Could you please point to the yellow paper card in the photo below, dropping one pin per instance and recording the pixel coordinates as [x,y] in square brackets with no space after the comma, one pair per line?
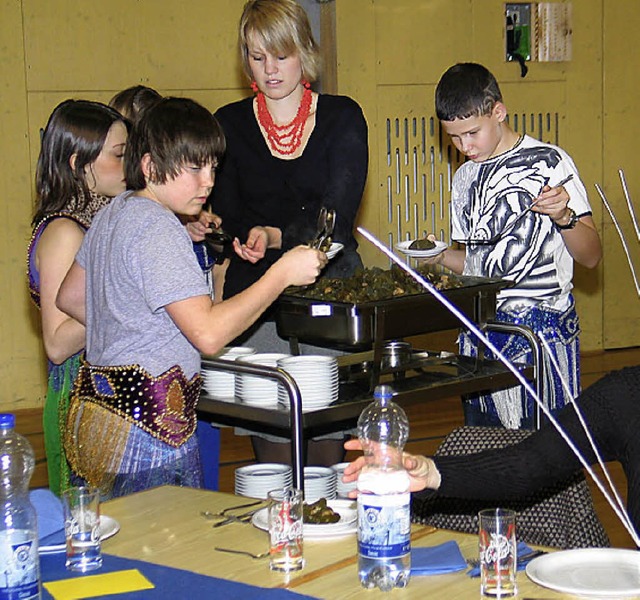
[91,586]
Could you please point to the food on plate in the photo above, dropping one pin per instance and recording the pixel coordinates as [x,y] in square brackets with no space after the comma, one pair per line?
[423,244]
[373,284]
[319,513]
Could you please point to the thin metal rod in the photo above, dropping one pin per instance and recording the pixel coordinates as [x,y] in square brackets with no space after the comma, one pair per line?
[474,329]
[571,399]
[295,400]
[627,197]
[622,239]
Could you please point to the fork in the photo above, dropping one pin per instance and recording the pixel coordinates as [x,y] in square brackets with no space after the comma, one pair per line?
[223,513]
[244,552]
[243,518]
[496,238]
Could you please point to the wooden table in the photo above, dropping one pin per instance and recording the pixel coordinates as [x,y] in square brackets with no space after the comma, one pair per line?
[164,526]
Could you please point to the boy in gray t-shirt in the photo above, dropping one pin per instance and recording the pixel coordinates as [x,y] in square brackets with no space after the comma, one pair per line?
[137,286]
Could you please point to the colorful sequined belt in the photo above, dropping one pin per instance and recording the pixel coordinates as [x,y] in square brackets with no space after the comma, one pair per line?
[163,406]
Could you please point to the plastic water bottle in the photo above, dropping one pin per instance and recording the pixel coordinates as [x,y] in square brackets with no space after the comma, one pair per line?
[19,564]
[384,501]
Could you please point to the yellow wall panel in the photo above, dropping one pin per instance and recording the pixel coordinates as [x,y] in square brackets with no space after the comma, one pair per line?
[417,40]
[74,45]
[21,361]
[621,129]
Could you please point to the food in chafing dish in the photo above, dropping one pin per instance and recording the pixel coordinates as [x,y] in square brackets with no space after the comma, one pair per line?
[372,284]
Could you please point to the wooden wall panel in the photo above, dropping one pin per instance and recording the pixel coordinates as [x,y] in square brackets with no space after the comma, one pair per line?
[72,45]
[621,131]
[21,361]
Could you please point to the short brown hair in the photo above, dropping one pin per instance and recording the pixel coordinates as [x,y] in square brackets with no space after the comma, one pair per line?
[174,132]
[466,90]
[283,27]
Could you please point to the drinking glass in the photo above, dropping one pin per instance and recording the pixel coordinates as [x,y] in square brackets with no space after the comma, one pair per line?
[497,545]
[82,528]
[285,530]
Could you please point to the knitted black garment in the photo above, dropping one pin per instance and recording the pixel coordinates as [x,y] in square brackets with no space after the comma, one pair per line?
[611,409]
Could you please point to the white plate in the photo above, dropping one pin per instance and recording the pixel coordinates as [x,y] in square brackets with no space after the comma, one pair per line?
[334,249]
[263,469]
[347,525]
[601,572]
[108,528]
[404,248]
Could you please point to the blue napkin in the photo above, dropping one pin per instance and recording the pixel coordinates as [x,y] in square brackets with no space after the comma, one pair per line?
[521,549]
[436,560]
[50,516]
[169,583]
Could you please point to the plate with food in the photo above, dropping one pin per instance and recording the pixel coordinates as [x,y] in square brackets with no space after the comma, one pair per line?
[324,519]
[334,249]
[422,248]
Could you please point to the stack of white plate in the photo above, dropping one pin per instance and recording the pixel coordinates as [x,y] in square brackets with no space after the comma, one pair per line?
[256,481]
[319,482]
[258,391]
[221,384]
[317,379]
[342,488]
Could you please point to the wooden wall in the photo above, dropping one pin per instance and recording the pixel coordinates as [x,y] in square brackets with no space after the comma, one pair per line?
[390,54]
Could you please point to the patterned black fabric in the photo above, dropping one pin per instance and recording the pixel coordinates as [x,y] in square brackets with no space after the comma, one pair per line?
[560,516]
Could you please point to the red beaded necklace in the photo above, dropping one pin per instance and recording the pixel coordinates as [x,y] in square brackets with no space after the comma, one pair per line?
[285,139]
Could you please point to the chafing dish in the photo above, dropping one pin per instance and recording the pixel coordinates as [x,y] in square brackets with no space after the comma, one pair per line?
[362,326]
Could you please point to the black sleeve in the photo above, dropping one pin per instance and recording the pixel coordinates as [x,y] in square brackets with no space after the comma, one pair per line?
[611,409]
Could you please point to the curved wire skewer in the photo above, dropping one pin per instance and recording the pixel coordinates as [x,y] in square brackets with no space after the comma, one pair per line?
[474,328]
[627,197]
[622,239]
[572,401]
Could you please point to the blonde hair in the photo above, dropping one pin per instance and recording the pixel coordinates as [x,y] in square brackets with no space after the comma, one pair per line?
[284,29]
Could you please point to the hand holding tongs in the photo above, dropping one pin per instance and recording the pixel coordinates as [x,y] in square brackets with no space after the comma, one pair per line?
[324,231]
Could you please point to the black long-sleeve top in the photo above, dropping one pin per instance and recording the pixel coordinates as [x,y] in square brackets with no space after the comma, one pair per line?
[611,409]
[255,188]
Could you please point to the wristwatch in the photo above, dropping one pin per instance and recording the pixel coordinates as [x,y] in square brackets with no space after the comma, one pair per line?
[571,223]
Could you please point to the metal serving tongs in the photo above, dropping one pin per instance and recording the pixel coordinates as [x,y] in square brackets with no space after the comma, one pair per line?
[324,231]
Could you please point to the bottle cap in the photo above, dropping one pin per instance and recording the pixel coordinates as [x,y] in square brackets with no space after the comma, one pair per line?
[383,391]
[7,421]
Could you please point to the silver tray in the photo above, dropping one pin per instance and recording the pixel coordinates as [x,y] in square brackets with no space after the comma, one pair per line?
[353,326]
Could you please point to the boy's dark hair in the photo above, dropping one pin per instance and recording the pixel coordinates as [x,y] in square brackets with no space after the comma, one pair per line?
[466,90]
[131,102]
[175,132]
[75,127]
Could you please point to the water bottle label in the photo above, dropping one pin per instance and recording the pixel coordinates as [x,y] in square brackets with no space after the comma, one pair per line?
[384,525]
[19,557]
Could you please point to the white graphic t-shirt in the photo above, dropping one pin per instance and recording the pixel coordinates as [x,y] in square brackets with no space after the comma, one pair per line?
[488,196]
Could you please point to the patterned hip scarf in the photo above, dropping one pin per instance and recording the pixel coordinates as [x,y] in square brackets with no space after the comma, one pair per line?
[107,403]
[163,406]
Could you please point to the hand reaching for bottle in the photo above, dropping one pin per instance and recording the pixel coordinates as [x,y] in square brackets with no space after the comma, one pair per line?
[422,471]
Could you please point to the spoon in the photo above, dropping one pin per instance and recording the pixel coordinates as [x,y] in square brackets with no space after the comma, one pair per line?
[232,551]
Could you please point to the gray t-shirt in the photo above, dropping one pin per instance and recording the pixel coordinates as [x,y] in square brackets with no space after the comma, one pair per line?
[138,258]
